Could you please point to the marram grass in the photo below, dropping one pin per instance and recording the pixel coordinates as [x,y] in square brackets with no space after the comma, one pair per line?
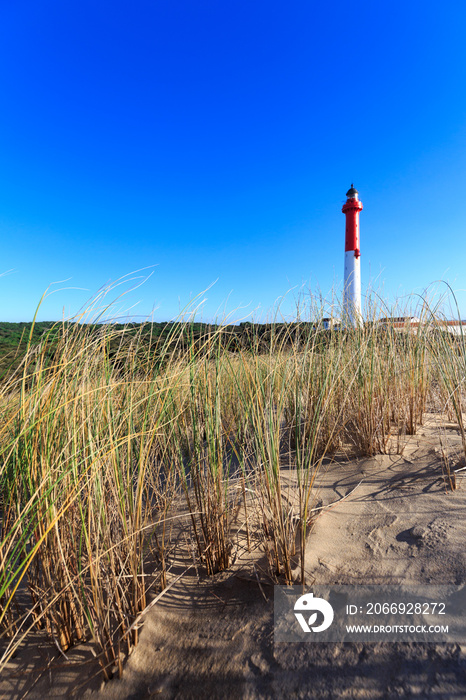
[104,433]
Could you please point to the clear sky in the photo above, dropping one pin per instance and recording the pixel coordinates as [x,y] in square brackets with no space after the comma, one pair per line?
[215,141]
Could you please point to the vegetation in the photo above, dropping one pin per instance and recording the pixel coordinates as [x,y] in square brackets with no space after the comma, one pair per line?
[111,436]
[15,338]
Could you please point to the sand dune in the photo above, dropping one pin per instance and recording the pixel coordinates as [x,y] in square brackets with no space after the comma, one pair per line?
[393,520]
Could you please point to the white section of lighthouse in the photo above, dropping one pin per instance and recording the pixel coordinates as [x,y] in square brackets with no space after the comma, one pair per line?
[352,281]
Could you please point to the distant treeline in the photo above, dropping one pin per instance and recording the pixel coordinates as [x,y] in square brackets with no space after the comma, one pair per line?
[16,337]
[160,340]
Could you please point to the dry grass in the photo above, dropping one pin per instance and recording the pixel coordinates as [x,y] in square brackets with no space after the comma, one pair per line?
[96,452]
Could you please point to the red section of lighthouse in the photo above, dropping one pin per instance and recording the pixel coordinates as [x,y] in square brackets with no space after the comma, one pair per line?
[352,278]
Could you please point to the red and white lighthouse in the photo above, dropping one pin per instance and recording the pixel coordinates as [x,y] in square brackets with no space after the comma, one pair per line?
[352,288]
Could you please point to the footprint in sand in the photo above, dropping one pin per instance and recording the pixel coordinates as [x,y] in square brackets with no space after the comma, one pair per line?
[430,535]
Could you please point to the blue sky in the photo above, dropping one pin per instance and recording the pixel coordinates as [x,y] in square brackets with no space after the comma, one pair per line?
[213,142]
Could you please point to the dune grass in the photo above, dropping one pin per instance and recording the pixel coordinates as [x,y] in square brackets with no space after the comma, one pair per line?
[99,448]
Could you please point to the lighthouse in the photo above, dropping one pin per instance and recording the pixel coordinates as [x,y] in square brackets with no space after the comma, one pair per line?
[352,289]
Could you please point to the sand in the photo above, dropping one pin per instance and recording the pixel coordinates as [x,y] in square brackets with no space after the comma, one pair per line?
[393,520]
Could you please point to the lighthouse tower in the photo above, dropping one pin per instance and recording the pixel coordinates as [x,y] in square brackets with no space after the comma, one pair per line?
[352,288]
